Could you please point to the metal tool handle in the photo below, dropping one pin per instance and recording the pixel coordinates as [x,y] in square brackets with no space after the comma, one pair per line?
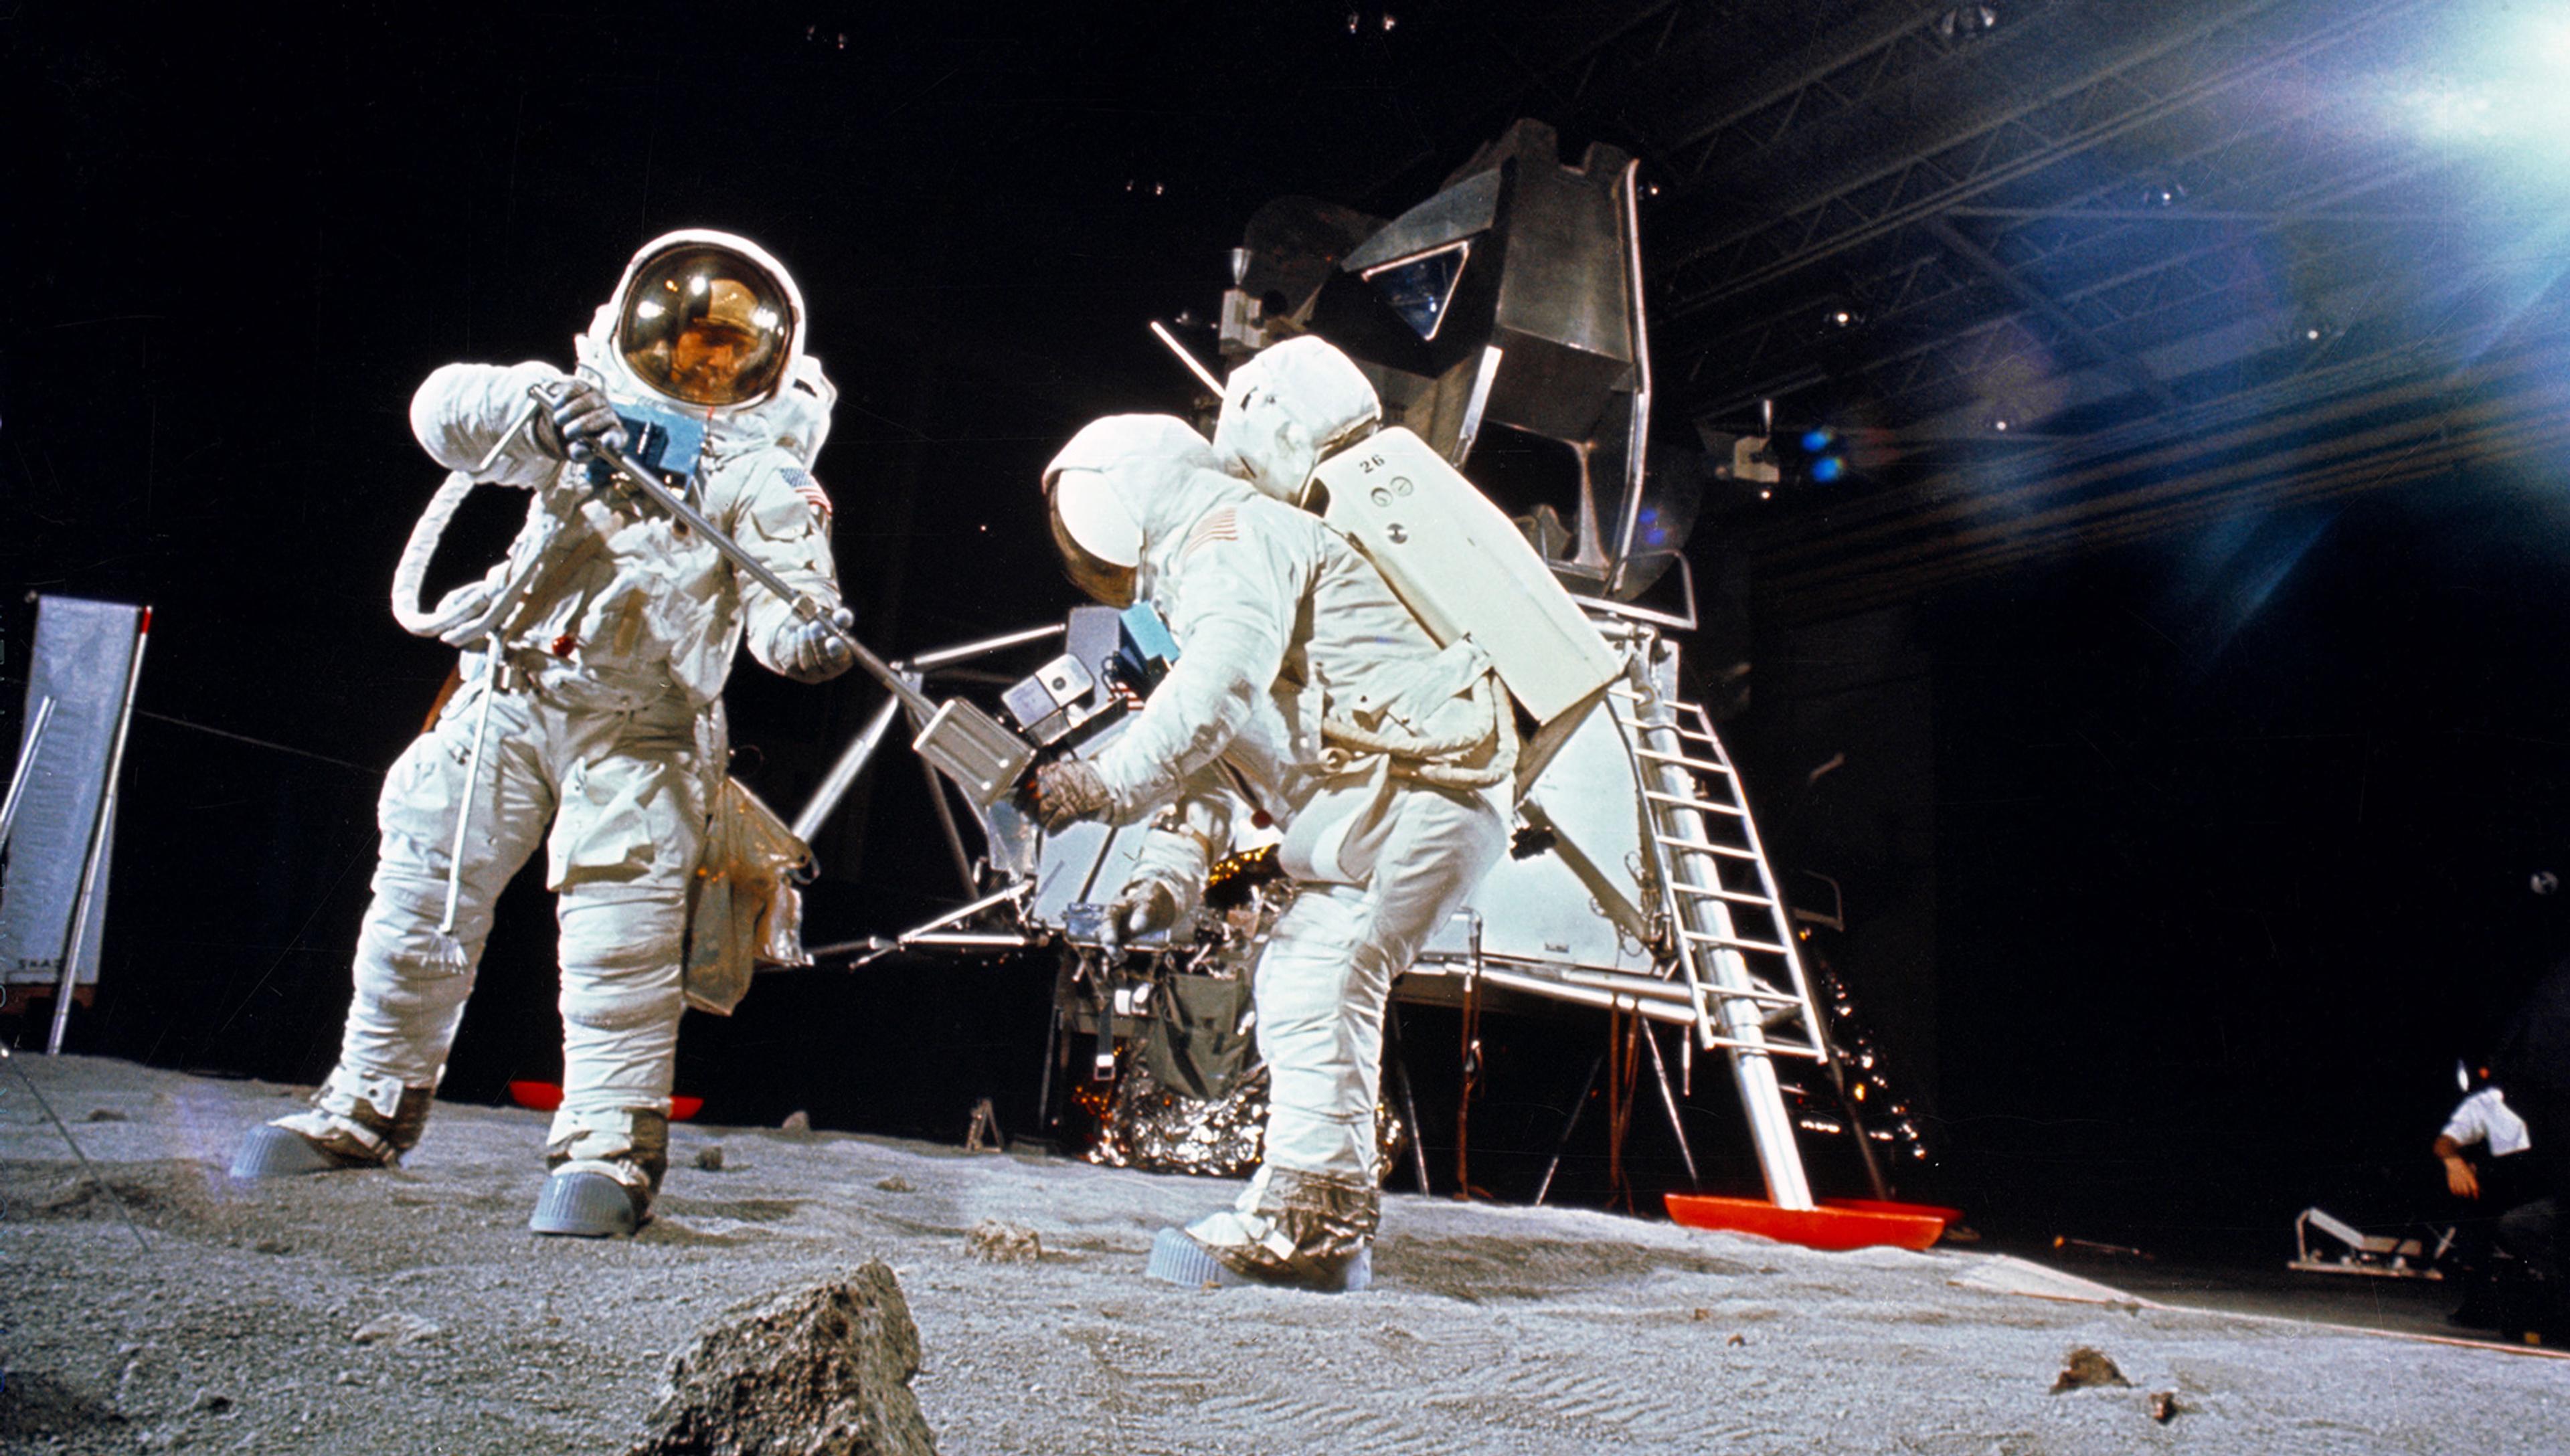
[646,482]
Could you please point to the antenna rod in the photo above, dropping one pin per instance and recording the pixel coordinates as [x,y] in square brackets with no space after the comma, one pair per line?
[1194,366]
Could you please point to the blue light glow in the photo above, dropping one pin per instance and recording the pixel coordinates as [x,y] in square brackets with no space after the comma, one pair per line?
[1815,441]
[1827,467]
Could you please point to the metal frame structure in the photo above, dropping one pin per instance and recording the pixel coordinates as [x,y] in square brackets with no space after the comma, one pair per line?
[2114,227]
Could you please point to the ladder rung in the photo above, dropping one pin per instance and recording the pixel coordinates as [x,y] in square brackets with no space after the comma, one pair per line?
[1756,987]
[1707,938]
[1674,841]
[1700,765]
[1680,729]
[1763,997]
[1736,896]
[1773,1049]
[1689,801]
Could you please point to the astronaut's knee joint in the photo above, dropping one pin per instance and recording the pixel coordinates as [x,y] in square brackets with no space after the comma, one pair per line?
[629,1011]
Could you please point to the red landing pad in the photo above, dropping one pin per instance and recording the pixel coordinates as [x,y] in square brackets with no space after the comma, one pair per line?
[546,1096]
[1840,1223]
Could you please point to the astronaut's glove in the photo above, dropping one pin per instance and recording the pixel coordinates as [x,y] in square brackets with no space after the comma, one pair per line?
[1065,792]
[815,650]
[573,429]
[1146,907]
[463,613]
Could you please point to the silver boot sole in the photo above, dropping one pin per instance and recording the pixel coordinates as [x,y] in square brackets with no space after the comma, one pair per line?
[585,1206]
[269,1151]
[1177,1259]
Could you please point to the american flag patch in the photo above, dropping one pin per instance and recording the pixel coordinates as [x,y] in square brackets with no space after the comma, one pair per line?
[1222,525]
[809,489]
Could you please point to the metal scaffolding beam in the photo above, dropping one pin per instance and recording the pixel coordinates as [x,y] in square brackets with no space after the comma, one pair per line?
[2351,426]
[1992,133]
[2118,304]
[1781,83]
[2029,297]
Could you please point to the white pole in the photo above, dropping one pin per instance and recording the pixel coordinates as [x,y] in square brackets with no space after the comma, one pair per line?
[94,870]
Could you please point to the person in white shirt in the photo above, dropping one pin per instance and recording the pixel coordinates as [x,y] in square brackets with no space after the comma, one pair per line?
[2501,1185]
[2484,1119]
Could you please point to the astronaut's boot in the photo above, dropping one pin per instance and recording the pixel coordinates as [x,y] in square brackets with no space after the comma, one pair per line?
[603,1176]
[1306,1231]
[354,1121]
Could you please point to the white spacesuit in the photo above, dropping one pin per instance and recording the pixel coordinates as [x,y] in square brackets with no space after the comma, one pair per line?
[600,650]
[1303,686]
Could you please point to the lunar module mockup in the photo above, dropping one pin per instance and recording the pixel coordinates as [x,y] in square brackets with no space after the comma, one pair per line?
[1514,494]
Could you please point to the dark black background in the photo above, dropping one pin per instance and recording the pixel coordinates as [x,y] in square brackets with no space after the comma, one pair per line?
[2232,832]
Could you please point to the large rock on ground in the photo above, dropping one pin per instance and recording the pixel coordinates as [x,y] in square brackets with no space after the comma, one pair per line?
[823,1371]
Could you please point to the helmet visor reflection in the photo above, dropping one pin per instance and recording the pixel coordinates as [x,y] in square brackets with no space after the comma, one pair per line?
[705,326]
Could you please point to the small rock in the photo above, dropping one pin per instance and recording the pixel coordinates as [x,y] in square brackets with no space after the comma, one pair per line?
[994,1241]
[1737,1339]
[797,1122]
[825,1371]
[1701,1316]
[398,1328]
[212,1402]
[2164,1406]
[72,1194]
[895,1184]
[105,1114]
[272,1246]
[710,1158]
[2086,1366]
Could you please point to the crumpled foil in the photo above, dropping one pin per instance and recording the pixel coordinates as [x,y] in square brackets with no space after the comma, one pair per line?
[1150,1127]
[1158,1131]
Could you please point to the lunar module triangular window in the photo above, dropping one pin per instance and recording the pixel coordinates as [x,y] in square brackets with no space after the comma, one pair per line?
[1419,287]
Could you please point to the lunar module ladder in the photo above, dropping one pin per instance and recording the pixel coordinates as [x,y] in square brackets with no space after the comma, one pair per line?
[1736,1010]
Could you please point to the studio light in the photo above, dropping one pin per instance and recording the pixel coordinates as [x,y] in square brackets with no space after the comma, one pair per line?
[1965,22]
[2496,83]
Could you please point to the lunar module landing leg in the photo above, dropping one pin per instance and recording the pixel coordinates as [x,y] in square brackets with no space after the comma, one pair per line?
[1733,1007]
[1648,893]
[1749,994]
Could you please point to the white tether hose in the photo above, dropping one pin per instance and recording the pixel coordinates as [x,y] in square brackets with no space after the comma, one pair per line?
[412,571]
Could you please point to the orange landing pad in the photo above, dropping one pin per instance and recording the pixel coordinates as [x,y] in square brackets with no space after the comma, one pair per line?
[1838,1223]
[1878,1206]
[546,1096]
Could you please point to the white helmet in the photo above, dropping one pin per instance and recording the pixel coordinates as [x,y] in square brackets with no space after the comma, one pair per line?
[1289,409]
[1117,477]
[707,319]
[1100,541]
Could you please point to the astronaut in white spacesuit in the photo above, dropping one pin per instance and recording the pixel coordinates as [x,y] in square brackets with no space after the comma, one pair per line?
[1304,687]
[598,652]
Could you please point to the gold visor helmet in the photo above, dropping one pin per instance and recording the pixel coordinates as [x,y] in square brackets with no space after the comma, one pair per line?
[707,325]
